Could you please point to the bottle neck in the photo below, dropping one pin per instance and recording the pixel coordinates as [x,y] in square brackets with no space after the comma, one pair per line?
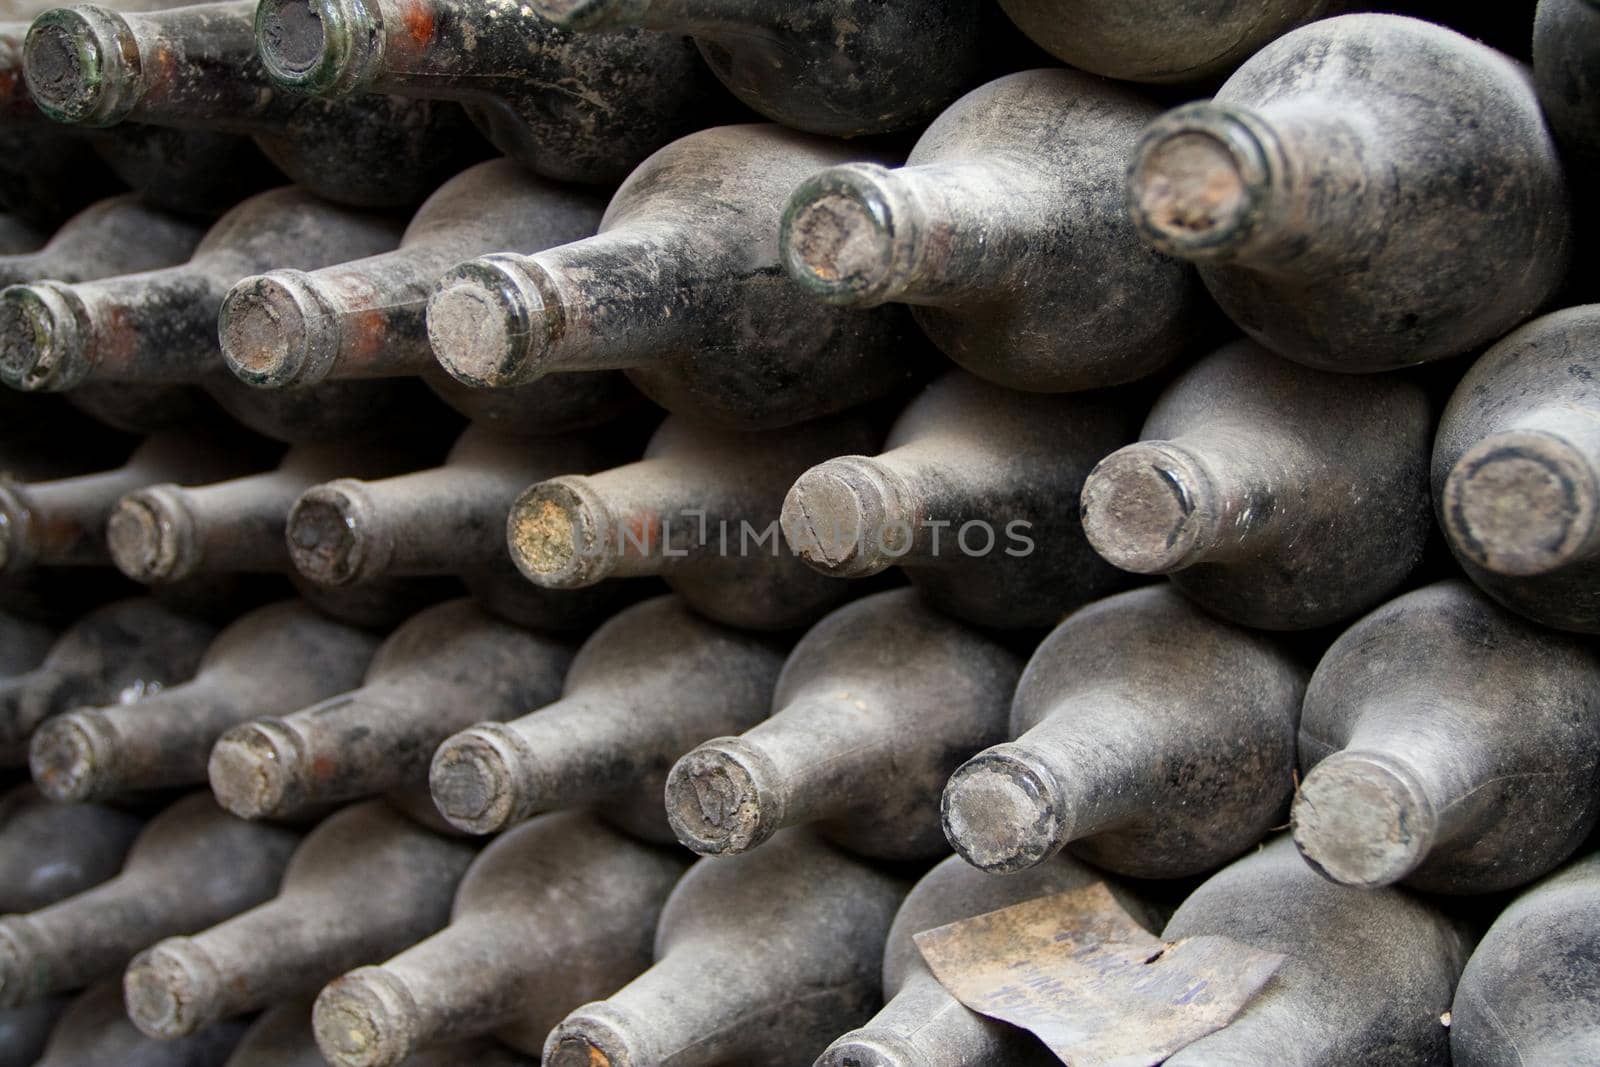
[83,938]
[1214,495]
[191,67]
[166,533]
[582,749]
[160,741]
[1078,772]
[448,520]
[320,925]
[157,327]
[447,49]
[357,320]
[646,518]
[278,767]
[264,956]
[1218,183]
[856,516]
[861,235]
[817,758]
[60,523]
[1366,818]
[924,1026]
[675,1006]
[614,301]
[458,983]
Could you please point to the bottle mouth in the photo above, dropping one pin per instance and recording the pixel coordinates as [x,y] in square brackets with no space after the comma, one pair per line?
[254,770]
[561,535]
[843,239]
[277,331]
[82,66]
[1002,812]
[328,47]
[720,799]
[1201,180]
[1145,508]
[171,989]
[839,516]
[1361,819]
[473,779]
[490,322]
[151,537]
[328,535]
[41,346]
[1523,503]
[71,757]
[363,1019]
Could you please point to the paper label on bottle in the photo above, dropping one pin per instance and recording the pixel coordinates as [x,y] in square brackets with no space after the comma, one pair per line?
[1077,972]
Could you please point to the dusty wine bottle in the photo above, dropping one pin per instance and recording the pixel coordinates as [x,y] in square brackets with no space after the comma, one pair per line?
[95,1032]
[63,522]
[1278,496]
[365,884]
[119,235]
[1152,739]
[1528,993]
[1167,42]
[837,69]
[922,1024]
[722,989]
[1447,743]
[650,684]
[569,107]
[683,289]
[118,652]
[284,655]
[1566,54]
[700,510]
[876,706]
[1516,470]
[196,67]
[440,672]
[1341,213]
[975,498]
[191,866]
[553,914]
[49,852]
[365,319]
[1007,233]
[1367,977]
[161,326]
[167,532]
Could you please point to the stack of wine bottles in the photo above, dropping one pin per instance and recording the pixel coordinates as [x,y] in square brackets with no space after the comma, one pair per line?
[572,531]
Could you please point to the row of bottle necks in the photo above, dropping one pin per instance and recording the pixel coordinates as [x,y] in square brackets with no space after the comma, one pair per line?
[1277,496]
[1443,745]
[1049,231]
